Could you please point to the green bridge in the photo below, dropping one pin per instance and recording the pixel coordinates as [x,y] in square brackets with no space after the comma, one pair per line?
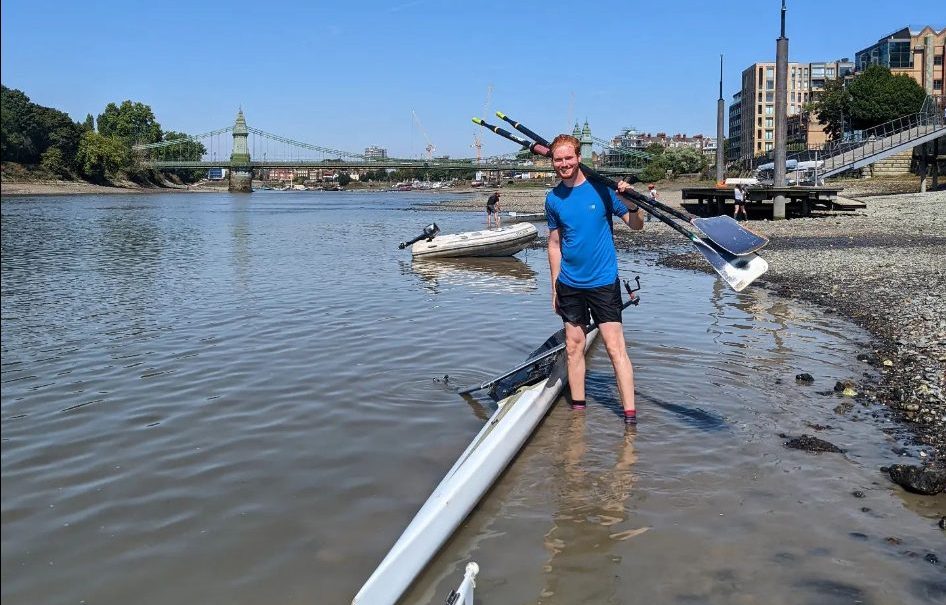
[244,152]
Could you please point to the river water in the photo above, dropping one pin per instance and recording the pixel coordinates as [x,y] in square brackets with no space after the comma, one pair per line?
[214,398]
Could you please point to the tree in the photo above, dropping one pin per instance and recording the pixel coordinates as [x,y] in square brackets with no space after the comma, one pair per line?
[101,158]
[873,97]
[89,123]
[344,179]
[54,162]
[30,130]
[655,149]
[132,122]
[878,96]
[833,104]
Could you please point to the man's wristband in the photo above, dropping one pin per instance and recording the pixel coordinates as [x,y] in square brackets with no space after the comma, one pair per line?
[635,209]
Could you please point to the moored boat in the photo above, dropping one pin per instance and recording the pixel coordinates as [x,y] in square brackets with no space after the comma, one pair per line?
[504,241]
[518,217]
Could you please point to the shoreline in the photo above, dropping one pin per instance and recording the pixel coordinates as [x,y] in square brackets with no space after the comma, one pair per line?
[878,268]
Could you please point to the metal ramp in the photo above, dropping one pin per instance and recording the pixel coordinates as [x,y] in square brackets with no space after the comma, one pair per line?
[885,140]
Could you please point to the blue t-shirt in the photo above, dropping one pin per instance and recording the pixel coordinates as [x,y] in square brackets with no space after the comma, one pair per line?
[581,216]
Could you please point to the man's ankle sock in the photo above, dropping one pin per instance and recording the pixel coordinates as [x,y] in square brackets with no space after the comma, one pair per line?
[630,416]
[578,404]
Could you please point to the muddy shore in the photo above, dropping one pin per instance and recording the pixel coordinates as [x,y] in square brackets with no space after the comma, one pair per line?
[881,267]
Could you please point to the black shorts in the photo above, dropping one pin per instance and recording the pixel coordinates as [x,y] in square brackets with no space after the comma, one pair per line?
[604,303]
[491,210]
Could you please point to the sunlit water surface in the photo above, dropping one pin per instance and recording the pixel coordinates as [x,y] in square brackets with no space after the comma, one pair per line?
[216,398]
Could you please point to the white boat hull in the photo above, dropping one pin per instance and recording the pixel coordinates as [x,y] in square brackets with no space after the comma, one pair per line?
[504,241]
[472,475]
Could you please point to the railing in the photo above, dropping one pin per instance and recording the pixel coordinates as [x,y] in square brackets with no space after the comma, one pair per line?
[887,135]
[863,144]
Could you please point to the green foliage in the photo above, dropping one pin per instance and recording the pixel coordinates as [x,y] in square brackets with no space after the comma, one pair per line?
[872,98]
[655,149]
[132,122]
[54,162]
[101,158]
[29,130]
[877,96]
[89,123]
[671,161]
[833,104]
[344,179]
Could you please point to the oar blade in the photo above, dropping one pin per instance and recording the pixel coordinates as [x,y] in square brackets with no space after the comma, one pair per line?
[729,235]
[737,271]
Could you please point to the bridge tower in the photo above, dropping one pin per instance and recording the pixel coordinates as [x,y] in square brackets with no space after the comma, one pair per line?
[241,173]
[587,155]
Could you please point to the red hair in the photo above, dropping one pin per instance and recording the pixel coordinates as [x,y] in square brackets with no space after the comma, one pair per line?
[566,139]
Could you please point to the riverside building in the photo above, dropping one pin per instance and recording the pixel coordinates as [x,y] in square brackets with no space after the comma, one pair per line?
[752,122]
[915,52]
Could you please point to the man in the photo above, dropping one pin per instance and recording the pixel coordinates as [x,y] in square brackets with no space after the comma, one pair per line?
[584,268]
[492,209]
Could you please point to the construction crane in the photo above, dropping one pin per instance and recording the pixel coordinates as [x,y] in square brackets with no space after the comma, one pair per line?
[430,146]
[477,141]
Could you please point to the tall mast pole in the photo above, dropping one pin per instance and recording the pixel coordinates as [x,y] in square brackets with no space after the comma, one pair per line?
[720,110]
[781,116]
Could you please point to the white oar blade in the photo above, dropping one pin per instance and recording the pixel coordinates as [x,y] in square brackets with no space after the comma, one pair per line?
[728,234]
[737,271]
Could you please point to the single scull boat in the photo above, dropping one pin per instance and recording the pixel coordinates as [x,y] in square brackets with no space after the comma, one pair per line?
[520,408]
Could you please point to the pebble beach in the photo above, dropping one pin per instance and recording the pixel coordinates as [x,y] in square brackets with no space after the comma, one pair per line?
[882,267]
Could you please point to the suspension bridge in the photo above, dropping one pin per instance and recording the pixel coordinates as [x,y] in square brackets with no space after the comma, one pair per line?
[246,152]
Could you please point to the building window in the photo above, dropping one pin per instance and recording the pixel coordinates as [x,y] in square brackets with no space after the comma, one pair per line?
[769,110]
[768,146]
[770,84]
[759,110]
[938,85]
[758,146]
[937,59]
[768,135]
[769,122]
[900,55]
[759,122]
[769,72]
[760,97]
[758,134]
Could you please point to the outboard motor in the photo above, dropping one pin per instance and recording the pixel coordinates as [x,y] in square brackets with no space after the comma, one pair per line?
[430,231]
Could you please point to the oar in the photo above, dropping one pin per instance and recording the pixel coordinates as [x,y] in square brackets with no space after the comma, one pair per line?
[633,299]
[724,231]
[430,231]
[737,271]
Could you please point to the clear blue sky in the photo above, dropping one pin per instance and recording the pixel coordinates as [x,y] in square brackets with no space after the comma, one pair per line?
[348,75]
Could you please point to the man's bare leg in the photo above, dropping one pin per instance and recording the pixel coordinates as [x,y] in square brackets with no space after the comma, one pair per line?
[575,350]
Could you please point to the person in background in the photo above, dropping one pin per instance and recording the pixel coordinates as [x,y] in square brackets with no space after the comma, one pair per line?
[739,194]
[584,268]
[492,209]
[652,190]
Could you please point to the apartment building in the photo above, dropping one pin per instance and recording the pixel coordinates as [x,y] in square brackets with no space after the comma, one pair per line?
[754,119]
[915,52]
